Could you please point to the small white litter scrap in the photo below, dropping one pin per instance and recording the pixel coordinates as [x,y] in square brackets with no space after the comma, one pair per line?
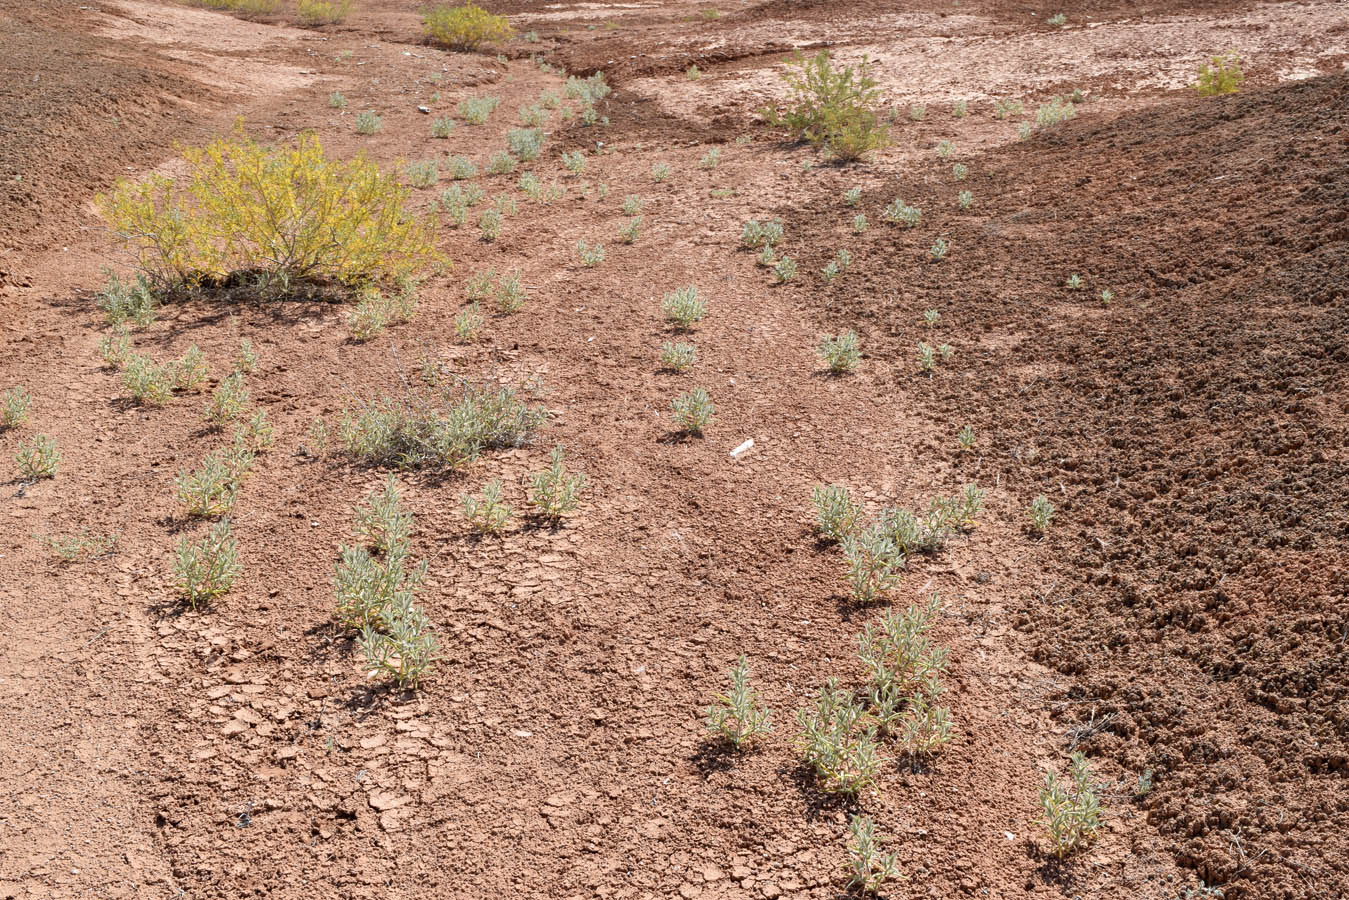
[742,449]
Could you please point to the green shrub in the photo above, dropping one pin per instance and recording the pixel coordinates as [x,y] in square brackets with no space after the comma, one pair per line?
[591,254]
[555,492]
[478,285]
[684,307]
[404,650]
[376,596]
[212,489]
[525,143]
[207,570]
[288,213]
[367,122]
[899,211]
[38,458]
[488,514]
[442,127]
[533,115]
[336,100]
[575,161]
[1072,812]
[926,726]
[73,547]
[1041,512]
[693,411]
[229,400]
[841,353]
[244,7]
[1221,75]
[190,371]
[1058,109]
[460,167]
[501,163]
[149,383]
[901,661]
[445,429]
[836,515]
[421,173]
[872,562]
[832,741]
[477,109]
[14,404]
[510,293]
[489,225]
[833,108]
[257,434]
[468,323]
[115,347]
[628,232]
[736,715]
[123,303]
[589,90]
[381,520]
[678,357]
[247,360]
[376,309]
[465,27]
[868,866]
[370,587]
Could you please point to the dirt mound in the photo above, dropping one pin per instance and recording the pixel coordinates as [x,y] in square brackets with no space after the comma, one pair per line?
[1192,434]
[78,110]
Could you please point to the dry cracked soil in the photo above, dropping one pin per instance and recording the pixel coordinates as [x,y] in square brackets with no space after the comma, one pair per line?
[1182,622]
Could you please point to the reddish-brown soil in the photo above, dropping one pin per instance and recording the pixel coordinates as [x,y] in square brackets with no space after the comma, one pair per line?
[1186,615]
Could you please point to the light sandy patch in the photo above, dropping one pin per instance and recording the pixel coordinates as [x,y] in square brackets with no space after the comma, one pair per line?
[923,63]
[201,39]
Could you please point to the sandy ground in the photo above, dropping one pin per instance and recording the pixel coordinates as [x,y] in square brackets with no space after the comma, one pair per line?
[1183,617]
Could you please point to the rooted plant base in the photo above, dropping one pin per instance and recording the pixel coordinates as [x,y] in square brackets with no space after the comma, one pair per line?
[1182,617]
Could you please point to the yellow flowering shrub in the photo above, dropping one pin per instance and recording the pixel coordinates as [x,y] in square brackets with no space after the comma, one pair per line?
[287,214]
[324,12]
[465,27]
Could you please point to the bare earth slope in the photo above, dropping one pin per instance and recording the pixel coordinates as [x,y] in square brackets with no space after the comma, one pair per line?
[1183,620]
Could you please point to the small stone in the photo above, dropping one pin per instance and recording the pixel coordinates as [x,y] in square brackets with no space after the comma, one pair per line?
[384,800]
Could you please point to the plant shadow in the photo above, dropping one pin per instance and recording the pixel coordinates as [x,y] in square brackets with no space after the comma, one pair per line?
[715,755]
[819,804]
